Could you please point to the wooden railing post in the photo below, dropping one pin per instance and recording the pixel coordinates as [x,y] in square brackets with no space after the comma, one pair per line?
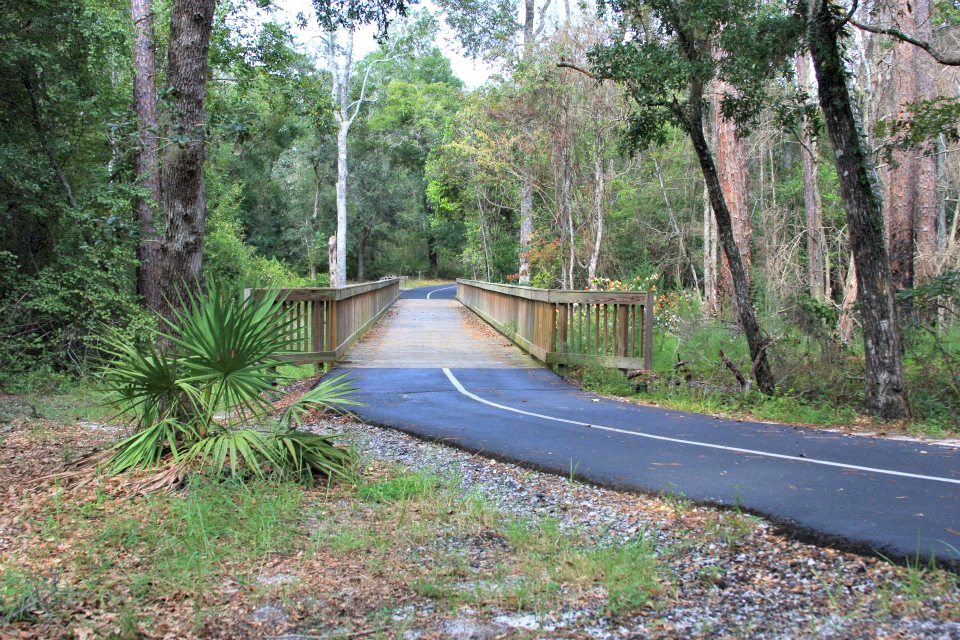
[648,332]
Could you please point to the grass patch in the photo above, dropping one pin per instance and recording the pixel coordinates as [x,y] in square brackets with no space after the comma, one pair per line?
[779,408]
[23,595]
[401,488]
[69,403]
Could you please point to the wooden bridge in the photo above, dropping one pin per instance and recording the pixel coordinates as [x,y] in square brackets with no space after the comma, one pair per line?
[549,326]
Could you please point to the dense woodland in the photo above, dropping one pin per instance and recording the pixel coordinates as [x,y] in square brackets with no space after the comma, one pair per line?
[785,175]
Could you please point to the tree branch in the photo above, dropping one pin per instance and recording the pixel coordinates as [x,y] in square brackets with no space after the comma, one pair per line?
[543,14]
[570,65]
[950,60]
[355,105]
[846,18]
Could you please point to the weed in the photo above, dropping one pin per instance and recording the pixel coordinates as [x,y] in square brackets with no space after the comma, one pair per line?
[401,488]
[22,596]
[629,572]
[731,528]
[711,574]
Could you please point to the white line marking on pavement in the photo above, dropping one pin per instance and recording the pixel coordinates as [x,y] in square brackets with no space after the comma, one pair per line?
[779,456]
[441,289]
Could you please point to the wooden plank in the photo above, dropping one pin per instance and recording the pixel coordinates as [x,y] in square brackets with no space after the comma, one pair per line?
[517,339]
[316,325]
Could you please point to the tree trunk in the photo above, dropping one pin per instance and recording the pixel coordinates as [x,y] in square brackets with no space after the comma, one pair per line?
[733,180]
[432,256]
[900,184]
[738,275]
[817,279]
[339,272]
[927,214]
[526,228]
[845,326]
[146,157]
[484,238]
[183,188]
[332,258]
[361,250]
[709,256]
[885,393]
[599,198]
[526,179]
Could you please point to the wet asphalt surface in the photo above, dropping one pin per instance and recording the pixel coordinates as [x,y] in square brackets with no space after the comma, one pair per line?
[854,492]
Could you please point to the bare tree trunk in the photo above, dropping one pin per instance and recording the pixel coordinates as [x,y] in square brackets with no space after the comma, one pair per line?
[599,198]
[147,156]
[885,393]
[191,22]
[709,256]
[846,324]
[361,250]
[526,228]
[927,165]
[818,279]
[900,185]
[564,139]
[332,258]
[342,172]
[484,238]
[526,177]
[733,180]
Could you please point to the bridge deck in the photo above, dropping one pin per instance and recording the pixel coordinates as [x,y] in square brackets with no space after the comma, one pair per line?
[433,334]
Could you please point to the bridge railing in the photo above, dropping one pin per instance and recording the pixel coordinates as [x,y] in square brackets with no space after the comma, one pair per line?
[325,322]
[608,329]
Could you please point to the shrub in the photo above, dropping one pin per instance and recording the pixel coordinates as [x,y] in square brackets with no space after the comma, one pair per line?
[203,404]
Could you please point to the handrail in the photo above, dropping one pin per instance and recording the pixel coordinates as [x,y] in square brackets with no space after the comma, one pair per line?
[325,322]
[603,328]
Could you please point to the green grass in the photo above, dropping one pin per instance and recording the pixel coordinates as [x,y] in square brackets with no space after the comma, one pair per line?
[401,488]
[68,403]
[22,594]
[779,408]
[292,372]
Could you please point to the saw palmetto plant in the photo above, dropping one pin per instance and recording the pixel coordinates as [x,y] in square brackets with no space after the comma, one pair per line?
[202,402]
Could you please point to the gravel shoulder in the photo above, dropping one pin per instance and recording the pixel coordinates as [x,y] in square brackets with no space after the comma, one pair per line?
[727,574]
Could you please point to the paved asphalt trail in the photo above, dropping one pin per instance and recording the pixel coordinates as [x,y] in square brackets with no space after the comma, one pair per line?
[439,292]
[867,494]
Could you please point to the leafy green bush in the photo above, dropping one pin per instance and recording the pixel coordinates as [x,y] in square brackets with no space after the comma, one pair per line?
[232,263]
[203,402]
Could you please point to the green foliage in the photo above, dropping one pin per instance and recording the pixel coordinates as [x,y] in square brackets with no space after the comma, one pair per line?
[920,123]
[195,404]
[671,49]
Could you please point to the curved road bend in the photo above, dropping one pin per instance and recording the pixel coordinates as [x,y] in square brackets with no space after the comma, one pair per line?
[438,292]
[866,494]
